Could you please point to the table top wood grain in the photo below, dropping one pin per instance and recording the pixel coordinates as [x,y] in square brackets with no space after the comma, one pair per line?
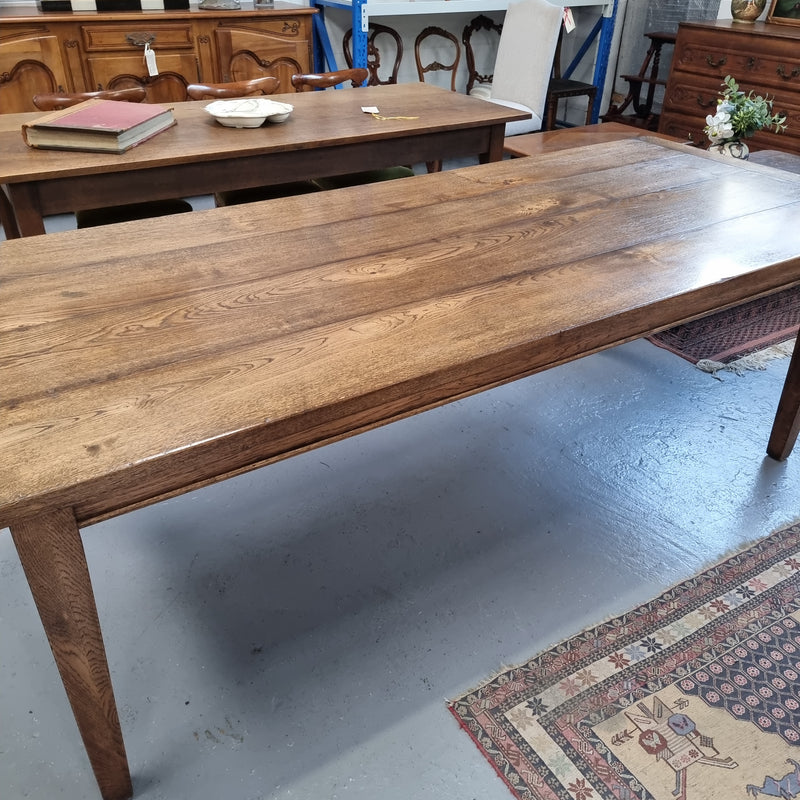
[318,119]
[534,144]
[150,358]
[125,357]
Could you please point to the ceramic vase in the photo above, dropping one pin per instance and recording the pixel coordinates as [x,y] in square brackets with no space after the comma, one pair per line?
[732,148]
[747,10]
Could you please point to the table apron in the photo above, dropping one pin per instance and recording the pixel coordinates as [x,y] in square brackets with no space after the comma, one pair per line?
[158,182]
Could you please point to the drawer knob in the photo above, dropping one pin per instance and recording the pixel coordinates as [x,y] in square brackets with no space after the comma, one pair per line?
[140,39]
[781,70]
[711,63]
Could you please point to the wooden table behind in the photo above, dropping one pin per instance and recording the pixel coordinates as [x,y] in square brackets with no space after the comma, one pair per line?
[180,351]
[327,134]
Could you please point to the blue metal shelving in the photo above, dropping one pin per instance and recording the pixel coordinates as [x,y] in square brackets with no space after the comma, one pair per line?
[361,10]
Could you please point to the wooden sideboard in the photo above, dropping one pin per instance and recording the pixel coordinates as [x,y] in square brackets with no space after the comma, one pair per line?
[75,51]
[764,57]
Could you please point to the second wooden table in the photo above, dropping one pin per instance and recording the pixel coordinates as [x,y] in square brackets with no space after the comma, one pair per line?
[327,134]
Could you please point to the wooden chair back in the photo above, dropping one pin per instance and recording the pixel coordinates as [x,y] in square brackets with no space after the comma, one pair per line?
[324,80]
[562,88]
[524,64]
[218,91]
[435,65]
[479,23]
[374,54]
[53,101]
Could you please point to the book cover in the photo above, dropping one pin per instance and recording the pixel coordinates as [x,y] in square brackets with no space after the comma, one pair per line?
[101,125]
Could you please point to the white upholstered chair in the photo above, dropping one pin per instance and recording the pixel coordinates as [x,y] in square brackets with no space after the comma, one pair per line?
[524,63]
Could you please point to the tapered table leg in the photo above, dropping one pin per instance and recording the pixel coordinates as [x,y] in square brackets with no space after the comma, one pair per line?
[29,221]
[496,144]
[51,551]
[787,419]
[7,217]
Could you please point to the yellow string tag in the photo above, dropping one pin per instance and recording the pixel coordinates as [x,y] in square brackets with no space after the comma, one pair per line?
[380,116]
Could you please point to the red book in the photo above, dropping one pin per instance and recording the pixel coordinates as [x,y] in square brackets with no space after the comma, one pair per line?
[106,126]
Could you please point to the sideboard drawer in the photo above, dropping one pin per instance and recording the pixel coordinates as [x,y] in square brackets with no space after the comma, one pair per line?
[113,38]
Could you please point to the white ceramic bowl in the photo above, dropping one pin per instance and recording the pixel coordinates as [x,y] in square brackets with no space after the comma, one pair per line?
[248,112]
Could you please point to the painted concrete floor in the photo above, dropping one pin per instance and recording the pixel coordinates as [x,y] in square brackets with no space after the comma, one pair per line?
[295,632]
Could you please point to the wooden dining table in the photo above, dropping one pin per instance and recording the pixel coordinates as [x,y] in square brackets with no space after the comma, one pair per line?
[326,134]
[178,352]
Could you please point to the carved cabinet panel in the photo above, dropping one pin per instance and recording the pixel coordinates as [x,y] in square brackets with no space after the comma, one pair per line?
[175,71]
[30,61]
[279,48]
[43,53]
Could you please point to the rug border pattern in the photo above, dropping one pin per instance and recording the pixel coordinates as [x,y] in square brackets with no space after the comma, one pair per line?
[482,712]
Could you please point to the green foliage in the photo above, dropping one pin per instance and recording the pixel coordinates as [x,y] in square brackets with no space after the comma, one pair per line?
[749,112]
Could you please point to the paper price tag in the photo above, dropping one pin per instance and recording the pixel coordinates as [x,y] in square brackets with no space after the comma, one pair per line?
[569,22]
[150,61]
[370,109]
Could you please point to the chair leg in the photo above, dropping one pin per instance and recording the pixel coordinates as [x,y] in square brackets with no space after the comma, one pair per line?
[551,111]
[590,107]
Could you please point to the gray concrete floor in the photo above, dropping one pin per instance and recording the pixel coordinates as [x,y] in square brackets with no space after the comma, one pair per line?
[295,632]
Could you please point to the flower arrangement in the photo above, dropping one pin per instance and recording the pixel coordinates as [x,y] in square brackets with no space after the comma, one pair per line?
[740,115]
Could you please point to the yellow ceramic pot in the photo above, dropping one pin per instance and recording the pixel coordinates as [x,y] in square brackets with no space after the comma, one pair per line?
[747,10]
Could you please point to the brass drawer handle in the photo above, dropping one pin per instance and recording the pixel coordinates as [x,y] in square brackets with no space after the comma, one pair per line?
[711,63]
[140,39]
[781,70]
[706,103]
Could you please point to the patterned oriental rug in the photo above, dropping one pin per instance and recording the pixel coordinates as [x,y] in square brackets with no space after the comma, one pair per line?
[692,696]
[736,332]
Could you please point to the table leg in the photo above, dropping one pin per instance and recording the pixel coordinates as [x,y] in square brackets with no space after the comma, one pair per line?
[497,135]
[24,198]
[787,419]
[7,218]
[51,551]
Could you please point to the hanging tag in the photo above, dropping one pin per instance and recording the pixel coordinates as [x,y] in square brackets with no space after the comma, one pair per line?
[569,22]
[150,61]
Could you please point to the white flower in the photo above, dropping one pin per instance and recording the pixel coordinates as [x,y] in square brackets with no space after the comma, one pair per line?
[719,127]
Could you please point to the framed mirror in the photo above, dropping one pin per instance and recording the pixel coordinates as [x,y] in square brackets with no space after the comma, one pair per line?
[785,12]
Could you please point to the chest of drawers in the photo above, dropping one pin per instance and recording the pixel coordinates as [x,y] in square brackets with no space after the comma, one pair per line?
[764,57]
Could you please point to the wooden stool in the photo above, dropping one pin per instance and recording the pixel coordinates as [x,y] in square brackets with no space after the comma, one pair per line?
[643,116]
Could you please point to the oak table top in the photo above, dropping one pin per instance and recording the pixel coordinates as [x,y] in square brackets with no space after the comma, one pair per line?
[173,354]
[327,134]
[533,144]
